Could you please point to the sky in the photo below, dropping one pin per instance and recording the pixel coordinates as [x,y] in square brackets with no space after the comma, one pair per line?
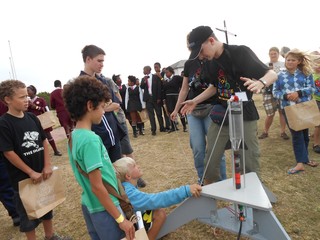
[46,37]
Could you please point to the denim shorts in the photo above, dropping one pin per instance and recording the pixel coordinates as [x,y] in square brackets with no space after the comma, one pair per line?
[101,225]
[27,225]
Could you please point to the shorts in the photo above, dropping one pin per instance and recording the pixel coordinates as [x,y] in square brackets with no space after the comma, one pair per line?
[147,219]
[271,104]
[101,225]
[114,152]
[27,225]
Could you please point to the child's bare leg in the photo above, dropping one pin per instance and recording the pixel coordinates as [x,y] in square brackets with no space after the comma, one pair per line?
[159,217]
[48,228]
[31,235]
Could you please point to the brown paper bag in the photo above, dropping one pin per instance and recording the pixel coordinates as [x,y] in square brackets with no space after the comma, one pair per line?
[39,199]
[47,119]
[140,235]
[303,115]
[144,115]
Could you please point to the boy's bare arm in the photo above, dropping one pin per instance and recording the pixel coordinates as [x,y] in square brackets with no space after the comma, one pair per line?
[112,106]
[102,194]
[47,170]
[18,163]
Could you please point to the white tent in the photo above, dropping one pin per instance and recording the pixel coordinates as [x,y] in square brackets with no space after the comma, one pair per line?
[178,67]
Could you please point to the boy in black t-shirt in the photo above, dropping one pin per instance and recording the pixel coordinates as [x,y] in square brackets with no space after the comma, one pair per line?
[25,149]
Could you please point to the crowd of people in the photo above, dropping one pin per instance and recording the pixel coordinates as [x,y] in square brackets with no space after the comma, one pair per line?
[94,111]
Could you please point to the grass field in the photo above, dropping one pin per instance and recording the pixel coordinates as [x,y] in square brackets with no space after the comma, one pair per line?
[167,163]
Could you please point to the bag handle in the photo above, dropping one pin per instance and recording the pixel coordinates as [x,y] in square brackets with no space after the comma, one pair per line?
[121,197]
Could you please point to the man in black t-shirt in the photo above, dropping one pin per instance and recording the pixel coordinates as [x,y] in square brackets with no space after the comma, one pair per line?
[233,69]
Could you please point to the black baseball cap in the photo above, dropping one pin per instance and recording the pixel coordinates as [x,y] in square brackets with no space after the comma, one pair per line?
[196,37]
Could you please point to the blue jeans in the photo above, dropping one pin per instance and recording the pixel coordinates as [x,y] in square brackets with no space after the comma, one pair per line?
[300,142]
[198,130]
[101,225]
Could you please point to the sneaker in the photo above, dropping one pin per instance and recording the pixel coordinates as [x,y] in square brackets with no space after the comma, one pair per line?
[57,153]
[284,136]
[16,221]
[316,148]
[171,130]
[141,183]
[263,135]
[57,237]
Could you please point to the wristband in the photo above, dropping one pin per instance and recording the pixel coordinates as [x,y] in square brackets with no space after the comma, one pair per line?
[263,82]
[120,219]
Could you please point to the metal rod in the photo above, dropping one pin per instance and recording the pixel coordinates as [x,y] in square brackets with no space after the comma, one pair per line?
[12,62]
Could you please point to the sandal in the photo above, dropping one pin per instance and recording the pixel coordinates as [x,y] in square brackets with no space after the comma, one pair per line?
[294,171]
[312,163]
[284,136]
[263,135]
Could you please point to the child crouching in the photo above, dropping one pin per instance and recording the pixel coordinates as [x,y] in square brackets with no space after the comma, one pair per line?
[150,204]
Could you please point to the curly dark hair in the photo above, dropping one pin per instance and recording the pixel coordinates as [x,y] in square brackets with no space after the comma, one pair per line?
[77,92]
[8,88]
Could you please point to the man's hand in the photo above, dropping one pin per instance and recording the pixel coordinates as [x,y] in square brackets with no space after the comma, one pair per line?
[173,115]
[253,85]
[159,75]
[188,107]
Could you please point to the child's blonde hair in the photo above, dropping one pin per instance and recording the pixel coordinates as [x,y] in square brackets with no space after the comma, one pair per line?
[123,166]
[315,57]
[305,64]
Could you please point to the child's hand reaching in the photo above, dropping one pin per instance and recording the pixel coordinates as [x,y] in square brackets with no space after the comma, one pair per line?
[195,190]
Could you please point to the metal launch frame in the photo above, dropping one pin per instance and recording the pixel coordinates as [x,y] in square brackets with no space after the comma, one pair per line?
[258,221]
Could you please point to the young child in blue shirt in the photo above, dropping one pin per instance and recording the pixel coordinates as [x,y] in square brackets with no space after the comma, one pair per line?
[150,204]
[85,98]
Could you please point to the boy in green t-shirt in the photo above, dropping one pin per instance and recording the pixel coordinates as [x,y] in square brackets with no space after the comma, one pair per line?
[85,98]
